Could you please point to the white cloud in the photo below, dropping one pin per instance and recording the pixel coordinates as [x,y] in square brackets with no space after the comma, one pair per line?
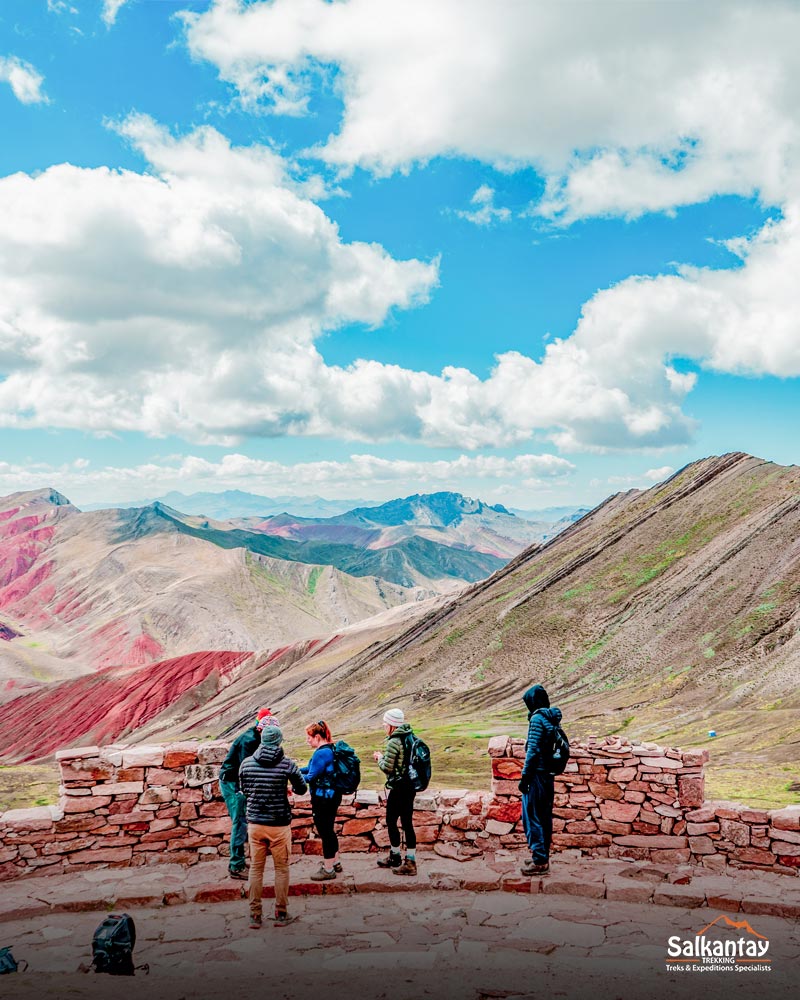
[185,300]
[24,79]
[84,483]
[62,7]
[625,108]
[111,9]
[484,211]
[660,474]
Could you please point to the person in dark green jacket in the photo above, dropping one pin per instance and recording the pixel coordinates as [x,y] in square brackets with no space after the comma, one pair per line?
[243,746]
[400,800]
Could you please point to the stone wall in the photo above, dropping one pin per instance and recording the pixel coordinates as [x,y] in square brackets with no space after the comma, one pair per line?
[123,806]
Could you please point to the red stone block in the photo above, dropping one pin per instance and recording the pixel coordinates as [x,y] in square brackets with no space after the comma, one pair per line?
[179,758]
[606,790]
[622,774]
[312,847]
[188,795]
[508,812]
[734,831]
[505,767]
[610,826]
[753,856]
[582,826]
[106,856]
[84,804]
[221,826]
[79,824]
[213,809]
[129,774]
[786,819]
[427,834]
[161,835]
[582,839]
[620,812]
[656,841]
[353,827]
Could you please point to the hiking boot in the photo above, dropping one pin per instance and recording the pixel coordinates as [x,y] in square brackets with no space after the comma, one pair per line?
[408,867]
[282,918]
[240,874]
[391,860]
[532,868]
[322,874]
[255,921]
[338,867]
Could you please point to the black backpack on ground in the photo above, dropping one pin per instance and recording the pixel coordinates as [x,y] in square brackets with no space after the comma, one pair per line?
[346,768]
[559,755]
[112,945]
[417,762]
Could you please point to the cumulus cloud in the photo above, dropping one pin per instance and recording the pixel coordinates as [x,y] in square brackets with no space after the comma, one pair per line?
[627,108]
[630,108]
[183,300]
[484,212]
[236,471]
[24,79]
[110,10]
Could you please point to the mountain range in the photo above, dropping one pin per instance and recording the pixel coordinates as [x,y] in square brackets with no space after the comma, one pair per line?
[663,614]
[228,504]
[86,590]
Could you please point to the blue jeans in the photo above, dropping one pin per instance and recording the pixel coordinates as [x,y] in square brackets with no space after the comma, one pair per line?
[235,802]
[537,816]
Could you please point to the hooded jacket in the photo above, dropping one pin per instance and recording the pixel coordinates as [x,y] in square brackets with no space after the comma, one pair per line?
[243,746]
[392,763]
[264,778]
[542,724]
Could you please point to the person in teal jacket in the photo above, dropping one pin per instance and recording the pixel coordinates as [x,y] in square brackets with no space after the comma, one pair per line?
[243,746]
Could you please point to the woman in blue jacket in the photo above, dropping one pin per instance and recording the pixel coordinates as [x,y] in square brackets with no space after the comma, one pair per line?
[325,800]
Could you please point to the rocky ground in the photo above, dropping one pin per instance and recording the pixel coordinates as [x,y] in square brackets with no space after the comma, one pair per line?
[402,939]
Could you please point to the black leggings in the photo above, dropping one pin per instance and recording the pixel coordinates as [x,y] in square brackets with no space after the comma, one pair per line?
[400,805]
[324,812]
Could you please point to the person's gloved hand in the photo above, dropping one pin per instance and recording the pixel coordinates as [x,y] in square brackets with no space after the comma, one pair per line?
[524,784]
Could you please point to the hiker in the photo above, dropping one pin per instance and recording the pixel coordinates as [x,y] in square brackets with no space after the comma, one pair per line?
[264,778]
[325,799]
[536,782]
[243,746]
[400,800]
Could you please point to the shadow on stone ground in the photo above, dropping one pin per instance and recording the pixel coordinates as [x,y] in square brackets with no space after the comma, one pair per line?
[409,946]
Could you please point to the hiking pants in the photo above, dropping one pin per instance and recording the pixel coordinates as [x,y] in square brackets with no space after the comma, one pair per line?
[400,805]
[324,812]
[277,841]
[537,816]
[235,802]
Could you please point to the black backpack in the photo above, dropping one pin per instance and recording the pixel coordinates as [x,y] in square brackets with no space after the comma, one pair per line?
[559,755]
[417,763]
[346,768]
[112,945]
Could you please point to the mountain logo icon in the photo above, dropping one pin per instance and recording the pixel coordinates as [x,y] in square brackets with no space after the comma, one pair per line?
[739,925]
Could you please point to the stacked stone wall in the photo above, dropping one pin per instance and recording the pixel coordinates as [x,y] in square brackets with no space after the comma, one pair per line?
[138,805]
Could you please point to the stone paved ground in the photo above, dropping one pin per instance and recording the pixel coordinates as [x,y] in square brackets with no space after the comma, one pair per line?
[438,943]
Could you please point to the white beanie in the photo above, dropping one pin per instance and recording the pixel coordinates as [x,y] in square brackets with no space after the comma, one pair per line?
[394,717]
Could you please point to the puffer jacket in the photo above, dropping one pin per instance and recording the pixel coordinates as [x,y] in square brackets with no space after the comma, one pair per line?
[542,724]
[243,746]
[392,763]
[264,778]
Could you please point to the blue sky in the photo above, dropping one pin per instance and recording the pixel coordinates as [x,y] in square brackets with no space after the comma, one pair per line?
[373,248]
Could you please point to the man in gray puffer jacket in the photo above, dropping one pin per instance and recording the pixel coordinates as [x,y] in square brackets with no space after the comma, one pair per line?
[536,783]
[264,778]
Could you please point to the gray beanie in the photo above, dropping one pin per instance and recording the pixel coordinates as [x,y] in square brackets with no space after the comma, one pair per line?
[271,736]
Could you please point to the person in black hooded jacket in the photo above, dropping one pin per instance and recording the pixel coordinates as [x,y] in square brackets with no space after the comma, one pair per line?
[536,783]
